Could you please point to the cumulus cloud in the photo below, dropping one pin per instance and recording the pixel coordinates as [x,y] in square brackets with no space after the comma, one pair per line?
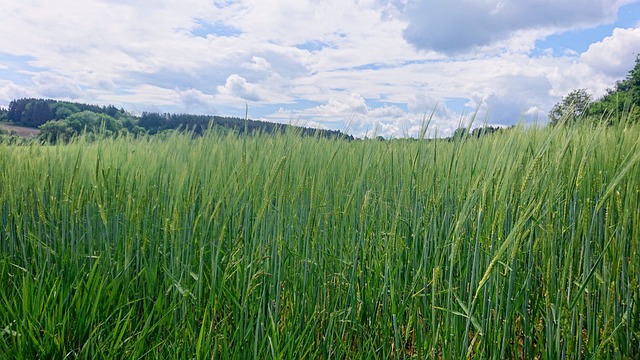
[458,26]
[345,105]
[258,64]
[363,117]
[237,86]
[421,103]
[597,69]
[518,100]
[389,112]
[57,87]
[142,98]
[11,91]
[195,101]
[615,54]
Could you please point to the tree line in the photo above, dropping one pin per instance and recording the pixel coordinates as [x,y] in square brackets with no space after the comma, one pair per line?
[156,122]
[62,120]
[621,102]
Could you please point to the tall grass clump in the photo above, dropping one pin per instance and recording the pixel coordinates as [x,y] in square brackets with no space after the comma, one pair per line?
[522,244]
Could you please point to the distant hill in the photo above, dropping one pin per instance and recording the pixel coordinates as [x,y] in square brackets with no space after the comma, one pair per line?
[71,117]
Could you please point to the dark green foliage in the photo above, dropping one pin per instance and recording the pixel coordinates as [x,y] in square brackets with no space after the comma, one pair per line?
[485,130]
[54,131]
[130,123]
[152,122]
[64,110]
[460,133]
[463,133]
[30,112]
[572,107]
[622,102]
[155,122]
[78,123]
[38,112]
[16,108]
[625,98]
[613,106]
[94,122]
[631,84]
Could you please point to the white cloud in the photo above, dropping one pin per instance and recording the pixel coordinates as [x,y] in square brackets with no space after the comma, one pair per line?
[237,88]
[258,64]
[345,105]
[142,98]
[615,55]
[386,112]
[197,102]
[57,87]
[11,91]
[458,26]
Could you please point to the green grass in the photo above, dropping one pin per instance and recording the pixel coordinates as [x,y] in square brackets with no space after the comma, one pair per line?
[523,244]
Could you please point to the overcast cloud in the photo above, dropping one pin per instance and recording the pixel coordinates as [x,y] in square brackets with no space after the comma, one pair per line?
[458,26]
[369,66]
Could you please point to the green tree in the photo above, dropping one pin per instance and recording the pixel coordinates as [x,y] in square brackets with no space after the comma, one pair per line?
[16,108]
[460,133]
[56,131]
[153,122]
[130,124]
[483,131]
[4,114]
[79,123]
[93,122]
[571,108]
[614,105]
[63,110]
[622,102]
[36,113]
[631,84]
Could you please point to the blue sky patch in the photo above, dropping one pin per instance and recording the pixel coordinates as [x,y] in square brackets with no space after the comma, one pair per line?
[374,104]
[215,29]
[314,45]
[16,68]
[459,105]
[580,40]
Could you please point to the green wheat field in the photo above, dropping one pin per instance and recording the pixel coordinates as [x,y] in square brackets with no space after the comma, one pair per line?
[520,244]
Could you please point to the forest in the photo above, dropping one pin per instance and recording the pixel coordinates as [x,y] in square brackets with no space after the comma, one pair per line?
[63,120]
[623,98]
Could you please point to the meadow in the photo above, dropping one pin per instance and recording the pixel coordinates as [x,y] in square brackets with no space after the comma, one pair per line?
[520,244]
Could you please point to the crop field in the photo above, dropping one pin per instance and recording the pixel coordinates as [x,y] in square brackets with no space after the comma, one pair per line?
[20,130]
[520,244]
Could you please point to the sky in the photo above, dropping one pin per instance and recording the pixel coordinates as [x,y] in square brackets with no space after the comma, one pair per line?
[366,67]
